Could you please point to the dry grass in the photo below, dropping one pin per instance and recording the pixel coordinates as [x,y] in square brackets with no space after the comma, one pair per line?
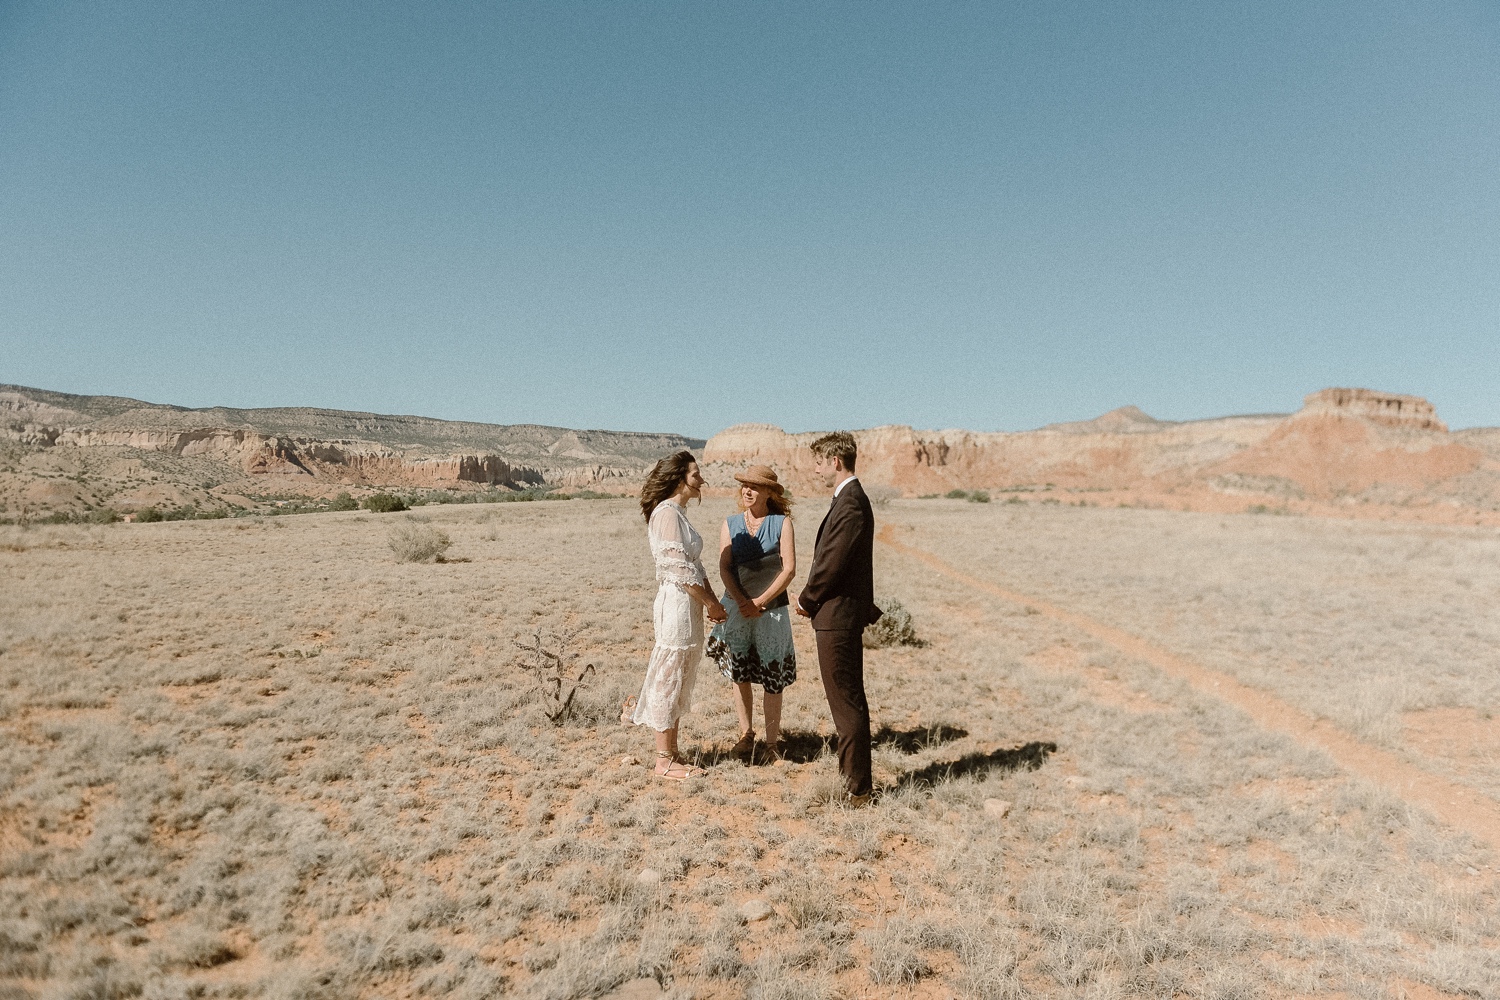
[263,758]
[1358,622]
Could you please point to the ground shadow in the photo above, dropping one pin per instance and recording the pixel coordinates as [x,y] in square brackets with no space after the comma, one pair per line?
[1028,757]
[803,747]
[797,746]
[911,741]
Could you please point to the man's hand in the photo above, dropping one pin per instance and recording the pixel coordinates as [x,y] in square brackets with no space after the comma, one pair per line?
[748,608]
[801,610]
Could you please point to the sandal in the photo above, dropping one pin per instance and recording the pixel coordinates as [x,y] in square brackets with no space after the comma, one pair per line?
[745,747]
[627,711]
[674,768]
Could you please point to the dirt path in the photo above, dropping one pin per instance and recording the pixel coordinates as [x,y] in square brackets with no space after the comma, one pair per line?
[1458,805]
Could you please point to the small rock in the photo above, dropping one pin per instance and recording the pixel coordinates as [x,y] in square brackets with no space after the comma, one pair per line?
[755,909]
[635,989]
[1472,870]
[648,876]
[997,808]
[629,761]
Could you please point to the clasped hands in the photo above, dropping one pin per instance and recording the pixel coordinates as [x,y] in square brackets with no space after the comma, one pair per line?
[749,608]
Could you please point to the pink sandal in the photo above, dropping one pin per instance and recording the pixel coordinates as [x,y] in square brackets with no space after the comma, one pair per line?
[674,768]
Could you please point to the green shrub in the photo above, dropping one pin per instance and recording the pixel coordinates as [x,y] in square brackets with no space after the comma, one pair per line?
[957,495]
[979,496]
[148,515]
[895,627]
[98,515]
[344,502]
[384,503]
[216,514]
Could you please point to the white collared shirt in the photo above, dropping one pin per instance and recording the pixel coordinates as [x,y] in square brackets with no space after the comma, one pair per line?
[840,486]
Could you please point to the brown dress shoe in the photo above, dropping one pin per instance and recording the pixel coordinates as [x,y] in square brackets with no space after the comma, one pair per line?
[745,747]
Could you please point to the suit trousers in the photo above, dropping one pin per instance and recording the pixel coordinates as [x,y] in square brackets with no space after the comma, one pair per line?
[841,659]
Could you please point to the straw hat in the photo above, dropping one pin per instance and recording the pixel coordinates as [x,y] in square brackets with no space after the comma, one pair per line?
[760,475]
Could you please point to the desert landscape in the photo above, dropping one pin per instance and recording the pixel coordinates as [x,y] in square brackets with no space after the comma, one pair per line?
[69,457]
[1348,453]
[343,343]
[1133,752]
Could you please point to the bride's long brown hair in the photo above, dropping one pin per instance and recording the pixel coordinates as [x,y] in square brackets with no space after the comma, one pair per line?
[665,478]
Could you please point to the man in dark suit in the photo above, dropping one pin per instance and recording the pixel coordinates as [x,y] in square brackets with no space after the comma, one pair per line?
[840,600]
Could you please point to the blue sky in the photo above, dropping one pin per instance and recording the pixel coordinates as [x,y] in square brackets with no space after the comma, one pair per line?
[684,216]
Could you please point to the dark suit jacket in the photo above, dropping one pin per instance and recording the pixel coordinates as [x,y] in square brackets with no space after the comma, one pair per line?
[840,591]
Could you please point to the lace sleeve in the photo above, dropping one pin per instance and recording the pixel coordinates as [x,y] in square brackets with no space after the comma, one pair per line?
[670,547]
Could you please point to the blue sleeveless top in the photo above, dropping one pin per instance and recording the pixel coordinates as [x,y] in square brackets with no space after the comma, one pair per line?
[757,558]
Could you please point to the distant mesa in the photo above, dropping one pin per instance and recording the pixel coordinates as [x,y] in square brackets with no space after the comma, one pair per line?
[1380,407]
[1347,451]
[126,446]
[1361,444]
[1355,452]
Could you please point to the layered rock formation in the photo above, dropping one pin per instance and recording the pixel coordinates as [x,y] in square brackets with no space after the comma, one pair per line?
[1346,450]
[1389,409]
[1117,450]
[1345,446]
[295,448]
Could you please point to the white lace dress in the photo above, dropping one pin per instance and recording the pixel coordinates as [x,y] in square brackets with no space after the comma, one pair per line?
[667,694]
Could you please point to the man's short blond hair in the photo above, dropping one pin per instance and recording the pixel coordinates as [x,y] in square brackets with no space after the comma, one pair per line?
[839,445]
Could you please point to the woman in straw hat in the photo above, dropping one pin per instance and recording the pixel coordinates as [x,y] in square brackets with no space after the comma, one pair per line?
[757,559]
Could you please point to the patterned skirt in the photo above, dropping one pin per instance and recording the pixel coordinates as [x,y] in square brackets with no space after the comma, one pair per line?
[755,650]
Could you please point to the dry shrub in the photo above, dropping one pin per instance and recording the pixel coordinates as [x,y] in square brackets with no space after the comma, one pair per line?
[195,949]
[894,628]
[896,949]
[418,542]
[554,669]
[770,979]
[807,902]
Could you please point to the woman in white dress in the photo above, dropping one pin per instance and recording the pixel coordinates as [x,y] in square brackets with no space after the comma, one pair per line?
[682,597]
